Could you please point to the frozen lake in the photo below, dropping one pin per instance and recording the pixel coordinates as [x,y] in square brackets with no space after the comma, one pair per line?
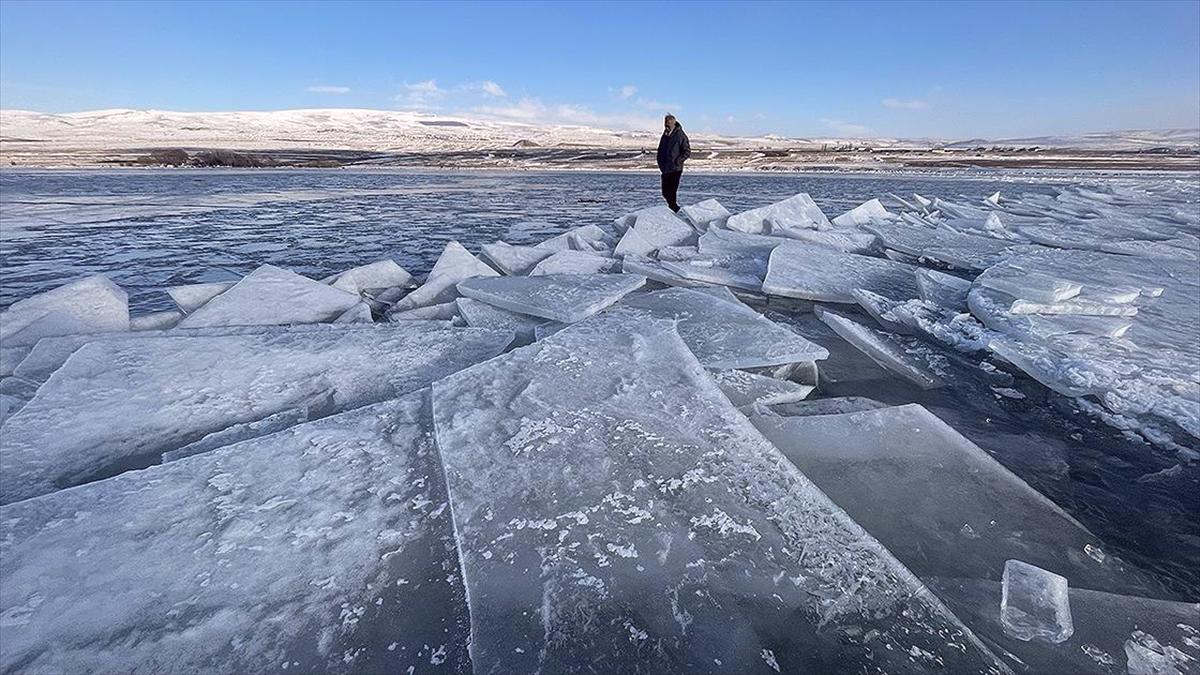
[151,229]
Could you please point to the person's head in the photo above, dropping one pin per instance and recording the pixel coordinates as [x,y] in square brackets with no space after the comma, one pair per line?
[669,122]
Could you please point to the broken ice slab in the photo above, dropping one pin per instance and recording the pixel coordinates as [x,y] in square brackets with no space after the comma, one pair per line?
[938,502]
[1145,655]
[1180,249]
[883,349]
[514,260]
[199,559]
[1103,622]
[662,227]
[118,405]
[482,315]
[943,289]
[574,262]
[1034,603]
[879,308]
[653,270]
[810,272]
[1073,307]
[632,243]
[745,389]
[678,252]
[736,271]
[1064,324]
[359,313]
[850,241]
[583,238]
[836,405]
[560,297]
[864,213]
[377,275]
[614,509]
[271,295]
[965,251]
[90,305]
[253,429]
[726,334]
[705,214]
[440,312]
[155,320]
[727,242]
[191,297]
[796,211]
[1031,286]
[453,265]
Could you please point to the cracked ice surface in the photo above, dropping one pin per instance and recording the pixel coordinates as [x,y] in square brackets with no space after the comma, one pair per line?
[116,405]
[615,513]
[326,547]
[813,272]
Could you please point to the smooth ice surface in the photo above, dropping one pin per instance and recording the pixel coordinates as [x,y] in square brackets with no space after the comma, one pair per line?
[748,389]
[614,512]
[1034,604]
[191,297]
[632,243]
[514,260]
[583,238]
[864,213]
[482,315]
[90,305]
[705,214]
[724,333]
[453,265]
[560,297]
[850,241]
[660,226]
[271,295]
[654,270]
[116,405]
[1065,324]
[377,275]
[882,349]
[811,272]
[965,251]
[155,320]
[727,242]
[1031,286]
[324,548]
[574,262]
[796,211]
[943,289]
[938,502]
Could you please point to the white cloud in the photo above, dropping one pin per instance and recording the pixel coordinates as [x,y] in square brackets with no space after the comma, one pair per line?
[651,104]
[845,128]
[486,86]
[421,95]
[625,93]
[327,89]
[901,104]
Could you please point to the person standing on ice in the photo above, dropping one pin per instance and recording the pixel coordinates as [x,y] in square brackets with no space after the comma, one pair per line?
[673,149]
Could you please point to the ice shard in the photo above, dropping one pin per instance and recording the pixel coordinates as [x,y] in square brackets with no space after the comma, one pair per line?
[253,429]
[574,262]
[323,548]
[744,389]
[90,305]
[482,315]
[514,260]
[883,349]
[862,214]
[444,311]
[1031,286]
[850,241]
[705,214]
[271,295]
[654,270]
[943,289]
[377,275]
[560,297]
[796,211]
[964,251]
[614,512]
[811,272]
[191,297]
[1034,603]
[155,320]
[119,405]
[735,271]
[453,265]
[359,313]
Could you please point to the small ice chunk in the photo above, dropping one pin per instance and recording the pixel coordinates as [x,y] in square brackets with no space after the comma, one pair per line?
[90,305]
[796,211]
[811,272]
[191,297]
[381,274]
[678,252]
[864,213]
[453,265]
[943,289]
[993,200]
[880,308]
[736,271]
[1034,603]
[747,389]
[573,262]
[583,238]
[271,295]
[1145,655]
[482,315]
[633,243]
[441,312]
[882,348]
[360,313]
[561,297]
[514,260]
[155,320]
[1033,286]
[705,214]
[718,241]
[1074,307]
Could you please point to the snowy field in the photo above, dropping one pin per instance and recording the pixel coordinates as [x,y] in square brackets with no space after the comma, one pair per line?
[956,429]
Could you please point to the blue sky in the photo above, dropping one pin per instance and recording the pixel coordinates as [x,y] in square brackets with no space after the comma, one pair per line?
[906,69]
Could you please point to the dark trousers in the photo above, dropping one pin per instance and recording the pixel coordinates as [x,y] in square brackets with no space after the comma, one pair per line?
[670,187]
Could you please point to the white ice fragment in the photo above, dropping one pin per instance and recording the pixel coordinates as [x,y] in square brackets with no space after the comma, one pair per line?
[882,348]
[445,311]
[191,297]
[654,228]
[1027,285]
[632,243]
[482,315]
[942,289]
[1065,324]
[90,305]
[864,213]
[453,265]
[514,260]
[796,211]
[993,199]
[560,297]
[573,262]
[583,238]
[359,313]
[748,389]
[377,275]
[155,320]
[271,295]
[1072,307]
[1035,604]
[811,272]
[705,214]
[654,270]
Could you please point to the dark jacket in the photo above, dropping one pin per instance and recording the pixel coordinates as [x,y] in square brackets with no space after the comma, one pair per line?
[672,150]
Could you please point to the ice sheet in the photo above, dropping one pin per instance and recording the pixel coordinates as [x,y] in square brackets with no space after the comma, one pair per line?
[943,289]
[514,260]
[560,297]
[1072,307]
[271,295]
[864,213]
[155,320]
[324,548]
[380,274]
[191,297]
[453,265]
[965,251]
[745,389]
[660,226]
[253,429]
[574,262]
[482,315]
[615,512]
[654,270]
[119,405]
[90,305]
[1031,286]
[835,405]
[883,349]
[736,271]
[796,211]
[632,243]
[724,334]
[359,313]
[441,312]
[705,214]
[811,272]
[850,241]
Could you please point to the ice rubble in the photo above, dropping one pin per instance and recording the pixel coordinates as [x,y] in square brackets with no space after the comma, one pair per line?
[379,275]
[612,507]
[745,389]
[326,547]
[454,265]
[560,297]
[272,295]
[514,260]
[119,404]
[797,211]
[89,305]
